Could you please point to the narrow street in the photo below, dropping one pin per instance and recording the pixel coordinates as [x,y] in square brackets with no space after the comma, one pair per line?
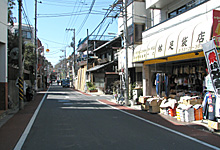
[69,119]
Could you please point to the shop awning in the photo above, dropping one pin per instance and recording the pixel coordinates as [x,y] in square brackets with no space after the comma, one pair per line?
[185,40]
[170,43]
[173,58]
[161,47]
[137,53]
[99,67]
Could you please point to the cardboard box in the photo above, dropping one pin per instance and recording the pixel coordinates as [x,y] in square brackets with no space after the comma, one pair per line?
[143,99]
[213,125]
[164,111]
[172,112]
[192,101]
[198,114]
[153,102]
[144,107]
[154,109]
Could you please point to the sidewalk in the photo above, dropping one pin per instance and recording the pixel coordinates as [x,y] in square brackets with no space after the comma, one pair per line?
[200,124]
[13,123]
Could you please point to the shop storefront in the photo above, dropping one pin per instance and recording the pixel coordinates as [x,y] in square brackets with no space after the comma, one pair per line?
[174,66]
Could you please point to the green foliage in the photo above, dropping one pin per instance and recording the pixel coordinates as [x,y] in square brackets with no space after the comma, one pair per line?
[13,43]
[29,57]
[91,86]
[11,5]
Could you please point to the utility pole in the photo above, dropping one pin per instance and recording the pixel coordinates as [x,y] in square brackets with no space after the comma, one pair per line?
[65,63]
[36,46]
[74,55]
[126,52]
[20,80]
[87,49]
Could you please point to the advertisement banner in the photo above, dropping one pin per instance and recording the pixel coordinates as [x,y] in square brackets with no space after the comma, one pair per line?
[216,23]
[213,65]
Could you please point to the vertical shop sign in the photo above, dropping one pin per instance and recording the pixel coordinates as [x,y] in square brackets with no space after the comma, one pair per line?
[216,23]
[212,61]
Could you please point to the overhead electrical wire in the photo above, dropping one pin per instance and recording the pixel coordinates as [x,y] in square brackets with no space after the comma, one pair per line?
[26,18]
[85,19]
[105,16]
[53,41]
[66,37]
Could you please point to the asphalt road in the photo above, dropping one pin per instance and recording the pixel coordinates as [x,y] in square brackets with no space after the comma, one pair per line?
[68,119]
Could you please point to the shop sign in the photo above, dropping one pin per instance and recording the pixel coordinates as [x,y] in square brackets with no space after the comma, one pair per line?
[171,44]
[151,50]
[137,53]
[143,52]
[216,23]
[213,65]
[161,47]
[142,55]
[201,35]
[184,41]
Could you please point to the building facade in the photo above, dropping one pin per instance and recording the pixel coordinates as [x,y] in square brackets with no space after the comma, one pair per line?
[172,45]
[28,33]
[3,55]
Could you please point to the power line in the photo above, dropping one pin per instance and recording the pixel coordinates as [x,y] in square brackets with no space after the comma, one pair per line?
[53,41]
[66,15]
[106,15]
[85,19]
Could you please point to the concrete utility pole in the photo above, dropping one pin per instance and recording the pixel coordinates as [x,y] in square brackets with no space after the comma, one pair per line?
[20,80]
[126,52]
[65,63]
[74,55]
[36,46]
[87,49]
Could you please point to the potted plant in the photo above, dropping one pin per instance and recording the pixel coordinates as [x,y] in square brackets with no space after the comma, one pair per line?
[91,87]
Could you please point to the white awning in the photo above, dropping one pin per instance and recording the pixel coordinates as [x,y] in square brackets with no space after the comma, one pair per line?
[185,40]
[161,47]
[201,35]
[174,41]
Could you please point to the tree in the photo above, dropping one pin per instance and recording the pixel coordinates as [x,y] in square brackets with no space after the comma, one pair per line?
[11,5]
[29,57]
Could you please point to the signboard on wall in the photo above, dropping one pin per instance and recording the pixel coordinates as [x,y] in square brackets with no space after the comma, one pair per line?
[185,40]
[213,65]
[216,23]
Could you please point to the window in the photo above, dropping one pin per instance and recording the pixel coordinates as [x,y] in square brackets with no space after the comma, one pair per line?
[130,35]
[186,7]
[139,28]
[130,1]
[172,14]
[28,35]
[181,10]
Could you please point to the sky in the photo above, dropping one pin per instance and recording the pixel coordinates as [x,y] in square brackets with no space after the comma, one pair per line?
[55,16]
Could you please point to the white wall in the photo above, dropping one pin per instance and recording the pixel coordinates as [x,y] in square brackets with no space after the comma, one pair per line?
[136,13]
[121,58]
[194,16]
[3,40]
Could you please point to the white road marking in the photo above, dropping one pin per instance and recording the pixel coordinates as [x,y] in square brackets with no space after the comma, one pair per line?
[28,128]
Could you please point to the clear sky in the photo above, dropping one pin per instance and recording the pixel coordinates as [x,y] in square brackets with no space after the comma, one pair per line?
[55,16]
